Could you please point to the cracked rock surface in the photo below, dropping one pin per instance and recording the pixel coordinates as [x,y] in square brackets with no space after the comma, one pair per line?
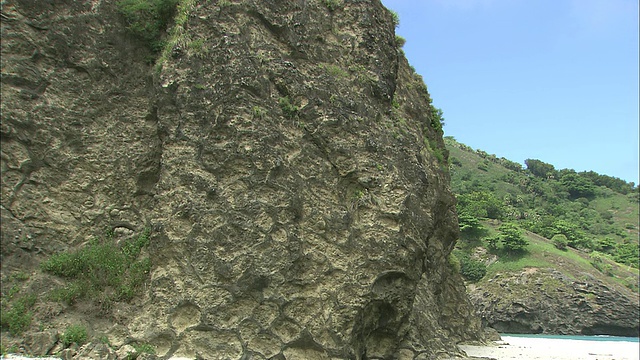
[283,154]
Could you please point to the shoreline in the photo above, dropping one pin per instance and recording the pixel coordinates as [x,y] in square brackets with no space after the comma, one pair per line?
[519,348]
[512,347]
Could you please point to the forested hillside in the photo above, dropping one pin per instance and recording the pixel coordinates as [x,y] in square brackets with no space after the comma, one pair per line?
[500,202]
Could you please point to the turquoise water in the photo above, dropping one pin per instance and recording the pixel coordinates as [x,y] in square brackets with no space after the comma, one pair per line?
[576,337]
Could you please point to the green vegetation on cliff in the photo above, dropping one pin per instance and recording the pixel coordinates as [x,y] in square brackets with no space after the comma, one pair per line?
[148,19]
[101,271]
[592,219]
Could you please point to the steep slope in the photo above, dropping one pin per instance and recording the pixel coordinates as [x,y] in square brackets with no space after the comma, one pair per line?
[282,154]
[547,288]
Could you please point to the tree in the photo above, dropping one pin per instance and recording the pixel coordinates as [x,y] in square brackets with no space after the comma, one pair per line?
[560,241]
[470,227]
[575,236]
[627,253]
[511,238]
[605,245]
[481,204]
[437,118]
[540,169]
[578,186]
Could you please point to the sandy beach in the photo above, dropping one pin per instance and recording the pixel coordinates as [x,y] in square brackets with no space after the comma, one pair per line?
[523,348]
[554,349]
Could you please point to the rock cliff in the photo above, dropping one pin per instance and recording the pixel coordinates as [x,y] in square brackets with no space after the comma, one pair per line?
[547,301]
[283,153]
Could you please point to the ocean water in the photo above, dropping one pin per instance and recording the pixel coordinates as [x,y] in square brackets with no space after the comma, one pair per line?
[576,337]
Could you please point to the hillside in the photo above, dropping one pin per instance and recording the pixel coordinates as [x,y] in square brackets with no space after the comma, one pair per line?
[532,241]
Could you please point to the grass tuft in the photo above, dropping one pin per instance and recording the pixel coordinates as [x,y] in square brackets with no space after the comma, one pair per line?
[101,271]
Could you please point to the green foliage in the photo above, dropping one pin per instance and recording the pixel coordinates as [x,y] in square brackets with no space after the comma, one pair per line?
[400,41]
[9,350]
[335,70]
[289,109]
[396,18]
[549,227]
[70,293]
[437,119]
[454,262]
[101,270]
[19,276]
[258,112]
[577,186]
[539,168]
[147,19]
[560,241]
[590,210]
[484,166]
[627,253]
[74,334]
[480,204]
[140,348]
[470,227]
[605,245]
[511,238]
[144,348]
[437,152]
[616,184]
[197,46]
[472,270]
[16,311]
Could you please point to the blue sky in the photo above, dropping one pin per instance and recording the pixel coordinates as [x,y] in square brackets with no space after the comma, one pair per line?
[554,80]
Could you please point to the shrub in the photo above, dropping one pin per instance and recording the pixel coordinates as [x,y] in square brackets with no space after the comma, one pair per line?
[605,245]
[436,118]
[16,315]
[144,348]
[98,267]
[288,109]
[258,112]
[454,263]
[560,241]
[335,70]
[74,334]
[472,270]
[400,41]
[436,151]
[147,19]
[396,18]
[627,253]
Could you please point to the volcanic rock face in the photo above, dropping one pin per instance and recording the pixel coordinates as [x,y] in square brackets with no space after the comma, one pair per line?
[546,301]
[283,154]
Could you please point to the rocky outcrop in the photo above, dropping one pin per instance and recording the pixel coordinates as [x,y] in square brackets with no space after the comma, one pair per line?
[546,301]
[282,152]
